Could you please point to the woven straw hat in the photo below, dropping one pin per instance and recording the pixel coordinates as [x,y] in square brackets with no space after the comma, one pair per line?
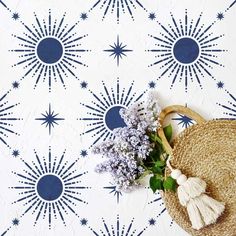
[206,150]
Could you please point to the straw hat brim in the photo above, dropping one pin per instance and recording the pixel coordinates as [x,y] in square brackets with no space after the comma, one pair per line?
[207,151]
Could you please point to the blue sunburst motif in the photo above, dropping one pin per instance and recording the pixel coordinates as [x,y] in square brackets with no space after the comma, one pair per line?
[220,85]
[84,153]
[118,50]
[158,200]
[152,221]
[15,16]
[152,84]
[15,85]
[186,51]
[50,51]
[50,188]
[231,5]
[84,16]
[15,153]
[113,190]
[152,16]
[220,16]
[83,84]
[120,6]
[15,222]
[230,107]
[1,2]
[103,113]
[7,119]
[118,230]
[183,121]
[50,119]
[83,221]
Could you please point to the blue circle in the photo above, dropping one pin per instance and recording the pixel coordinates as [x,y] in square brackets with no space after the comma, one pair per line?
[113,119]
[49,187]
[49,50]
[186,50]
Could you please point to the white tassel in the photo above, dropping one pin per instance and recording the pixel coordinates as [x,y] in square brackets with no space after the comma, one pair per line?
[202,209]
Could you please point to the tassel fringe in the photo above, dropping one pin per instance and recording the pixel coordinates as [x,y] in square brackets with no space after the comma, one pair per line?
[202,209]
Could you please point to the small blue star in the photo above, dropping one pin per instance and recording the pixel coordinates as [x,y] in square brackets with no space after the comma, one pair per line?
[184,121]
[84,16]
[83,221]
[118,50]
[15,84]
[49,119]
[84,153]
[115,191]
[15,222]
[152,222]
[15,153]
[15,16]
[152,16]
[220,85]
[83,85]
[220,16]
[152,84]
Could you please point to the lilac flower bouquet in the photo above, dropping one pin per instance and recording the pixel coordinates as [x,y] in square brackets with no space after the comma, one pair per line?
[137,149]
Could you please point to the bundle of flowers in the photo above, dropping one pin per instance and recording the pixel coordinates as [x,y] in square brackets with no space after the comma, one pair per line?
[137,150]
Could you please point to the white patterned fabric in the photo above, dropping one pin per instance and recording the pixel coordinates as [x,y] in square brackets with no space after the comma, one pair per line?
[67,68]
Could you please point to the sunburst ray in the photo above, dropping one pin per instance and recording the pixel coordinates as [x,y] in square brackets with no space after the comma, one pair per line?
[186,51]
[50,50]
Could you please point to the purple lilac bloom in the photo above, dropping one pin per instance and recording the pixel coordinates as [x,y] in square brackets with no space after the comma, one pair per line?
[125,154]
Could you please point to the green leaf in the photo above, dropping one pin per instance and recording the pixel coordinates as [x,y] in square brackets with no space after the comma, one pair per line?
[168,132]
[157,170]
[170,184]
[155,183]
[160,163]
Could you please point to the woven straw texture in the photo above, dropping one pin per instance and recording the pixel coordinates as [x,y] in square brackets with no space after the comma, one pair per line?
[208,151]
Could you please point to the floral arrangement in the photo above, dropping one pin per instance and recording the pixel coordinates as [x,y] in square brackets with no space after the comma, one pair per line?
[137,150]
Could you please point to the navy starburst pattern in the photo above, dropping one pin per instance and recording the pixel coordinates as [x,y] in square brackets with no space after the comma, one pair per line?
[186,51]
[152,84]
[116,193]
[50,188]
[183,121]
[15,222]
[83,84]
[5,6]
[162,209]
[7,119]
[49,119]
[118,229]
[103,113]
[84,153]
[83,222]
[220,85]
[118,50]
[157,199]
[15,85]
[220,16]
[229,107]
[118,6]
[152,16]
[152,221]
[15,16]
[15,153]
[84,16]
[231,5]
[50,51]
